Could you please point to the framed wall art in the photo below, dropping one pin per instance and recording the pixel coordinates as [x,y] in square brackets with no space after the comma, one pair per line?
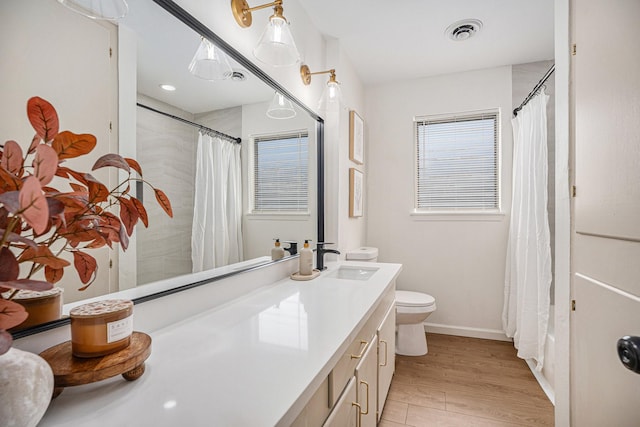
[356,192]
[356,138]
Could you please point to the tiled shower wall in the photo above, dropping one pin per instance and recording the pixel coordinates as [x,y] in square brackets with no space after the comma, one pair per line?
[166,149]
[524,78]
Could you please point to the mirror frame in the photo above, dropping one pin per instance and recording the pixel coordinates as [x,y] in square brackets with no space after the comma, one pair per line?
[190,21]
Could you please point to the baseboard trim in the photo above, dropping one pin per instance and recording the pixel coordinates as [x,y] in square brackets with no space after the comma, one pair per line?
[461,331]
[544,384]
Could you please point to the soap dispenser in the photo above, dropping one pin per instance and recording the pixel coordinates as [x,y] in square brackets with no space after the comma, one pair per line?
[277,252]
[306,260]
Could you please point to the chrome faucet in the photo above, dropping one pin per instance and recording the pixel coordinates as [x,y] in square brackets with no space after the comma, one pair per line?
[320,251]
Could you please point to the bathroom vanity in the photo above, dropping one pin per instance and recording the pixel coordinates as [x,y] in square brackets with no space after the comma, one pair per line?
[303,353]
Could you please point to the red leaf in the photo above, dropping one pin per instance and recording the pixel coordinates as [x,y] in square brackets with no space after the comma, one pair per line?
[164,202]
[56,207]
[42,255]
[14,237]
[12,157]
[33,205]
[98,192]
[43,118]
[9,267]
[11,314]
[34,143]
[11,201]
[8,181]
[124,239]
[65,172]
[142,212]
[53,275]
[69,145]
[114,160]
[27,285]
[134,165]
[85,264]
[128,214]
[5,341]
[45,164]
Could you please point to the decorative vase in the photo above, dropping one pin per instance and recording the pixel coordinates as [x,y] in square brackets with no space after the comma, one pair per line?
[26,386]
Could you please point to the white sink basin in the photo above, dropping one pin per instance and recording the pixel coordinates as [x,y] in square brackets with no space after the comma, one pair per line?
[353,273]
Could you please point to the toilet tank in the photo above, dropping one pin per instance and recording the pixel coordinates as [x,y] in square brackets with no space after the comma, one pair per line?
[364,253]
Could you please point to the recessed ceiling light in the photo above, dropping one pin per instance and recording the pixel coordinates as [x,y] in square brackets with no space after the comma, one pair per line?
[463,30]
[169,88]
[238,76]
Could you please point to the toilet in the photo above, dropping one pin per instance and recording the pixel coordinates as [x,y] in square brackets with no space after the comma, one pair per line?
[412,308]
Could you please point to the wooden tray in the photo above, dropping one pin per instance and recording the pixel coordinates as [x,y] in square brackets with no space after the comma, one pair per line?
[297,276]
[70,371]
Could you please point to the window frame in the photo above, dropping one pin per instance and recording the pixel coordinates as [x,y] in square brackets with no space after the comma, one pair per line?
[452,213]
[251,187]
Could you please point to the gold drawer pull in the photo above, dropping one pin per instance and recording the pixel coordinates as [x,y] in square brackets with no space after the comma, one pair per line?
[385,352]
[367,384]
[364,348]
[359,419]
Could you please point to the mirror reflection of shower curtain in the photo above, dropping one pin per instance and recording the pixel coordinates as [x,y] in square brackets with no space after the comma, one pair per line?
[525,315]
[216,235]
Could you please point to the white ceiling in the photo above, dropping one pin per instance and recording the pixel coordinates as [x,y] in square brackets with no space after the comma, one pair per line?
[405,39]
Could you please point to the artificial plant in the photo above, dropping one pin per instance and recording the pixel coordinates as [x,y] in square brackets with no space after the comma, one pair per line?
[40,222]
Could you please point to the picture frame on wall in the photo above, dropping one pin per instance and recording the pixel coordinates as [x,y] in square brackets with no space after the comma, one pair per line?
[356,138]
[356,193]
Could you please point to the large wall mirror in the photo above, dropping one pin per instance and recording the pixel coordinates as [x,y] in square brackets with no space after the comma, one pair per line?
[208,144]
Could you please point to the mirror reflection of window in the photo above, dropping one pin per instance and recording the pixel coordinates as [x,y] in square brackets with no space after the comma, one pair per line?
[281,173]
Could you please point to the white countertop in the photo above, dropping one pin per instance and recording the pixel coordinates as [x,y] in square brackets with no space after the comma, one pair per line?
[252,362]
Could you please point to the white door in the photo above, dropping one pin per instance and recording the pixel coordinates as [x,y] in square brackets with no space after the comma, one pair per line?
[606,242]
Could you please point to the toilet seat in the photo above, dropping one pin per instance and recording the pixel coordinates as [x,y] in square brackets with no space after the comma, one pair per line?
[414,299]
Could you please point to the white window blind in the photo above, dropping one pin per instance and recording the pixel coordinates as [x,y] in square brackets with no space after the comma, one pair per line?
[457,163]
[281,173]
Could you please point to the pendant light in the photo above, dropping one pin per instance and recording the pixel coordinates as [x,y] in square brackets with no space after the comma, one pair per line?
[332,94]
[281,107]
[210,63]
[276,45]
[109,10]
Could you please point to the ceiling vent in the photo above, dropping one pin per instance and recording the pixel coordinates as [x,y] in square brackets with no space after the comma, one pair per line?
[463,30]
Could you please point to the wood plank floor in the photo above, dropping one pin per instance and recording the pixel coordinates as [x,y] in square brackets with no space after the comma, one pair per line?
[465,382]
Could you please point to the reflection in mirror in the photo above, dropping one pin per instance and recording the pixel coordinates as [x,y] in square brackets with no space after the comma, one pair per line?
[230,200]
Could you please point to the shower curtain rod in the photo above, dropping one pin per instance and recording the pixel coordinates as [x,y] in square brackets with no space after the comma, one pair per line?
[535,90]
[201,127]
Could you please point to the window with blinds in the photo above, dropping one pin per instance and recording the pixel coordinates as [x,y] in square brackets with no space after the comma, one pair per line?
[457,163]
[281,173]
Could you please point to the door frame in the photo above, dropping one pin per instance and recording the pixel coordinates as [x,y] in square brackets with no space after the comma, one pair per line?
[564,211]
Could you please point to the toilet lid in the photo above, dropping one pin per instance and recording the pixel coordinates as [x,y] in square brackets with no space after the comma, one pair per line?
[413,299]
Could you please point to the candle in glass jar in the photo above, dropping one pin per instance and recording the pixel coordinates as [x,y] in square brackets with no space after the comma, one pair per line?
[42,306]
[100,328]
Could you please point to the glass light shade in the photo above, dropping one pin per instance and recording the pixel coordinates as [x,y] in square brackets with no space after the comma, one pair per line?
[331,97]
[210,63]
[98,9]
[280,108]
[276,46]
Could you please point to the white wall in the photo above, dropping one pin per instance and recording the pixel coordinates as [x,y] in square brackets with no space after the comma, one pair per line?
[460,262]
[259,230]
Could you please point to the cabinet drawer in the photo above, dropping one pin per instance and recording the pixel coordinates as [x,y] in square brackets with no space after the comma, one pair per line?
[346,413]
[345,367]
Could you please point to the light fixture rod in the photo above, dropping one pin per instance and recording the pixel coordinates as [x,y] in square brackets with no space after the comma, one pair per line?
[305,74]
[263,6]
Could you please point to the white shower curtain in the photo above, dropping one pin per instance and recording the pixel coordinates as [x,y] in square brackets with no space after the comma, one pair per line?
[216,234]
[525,315]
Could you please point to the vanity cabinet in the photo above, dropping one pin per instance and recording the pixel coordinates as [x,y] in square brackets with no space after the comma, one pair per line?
[367,382]
[346,411]
[386,356]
